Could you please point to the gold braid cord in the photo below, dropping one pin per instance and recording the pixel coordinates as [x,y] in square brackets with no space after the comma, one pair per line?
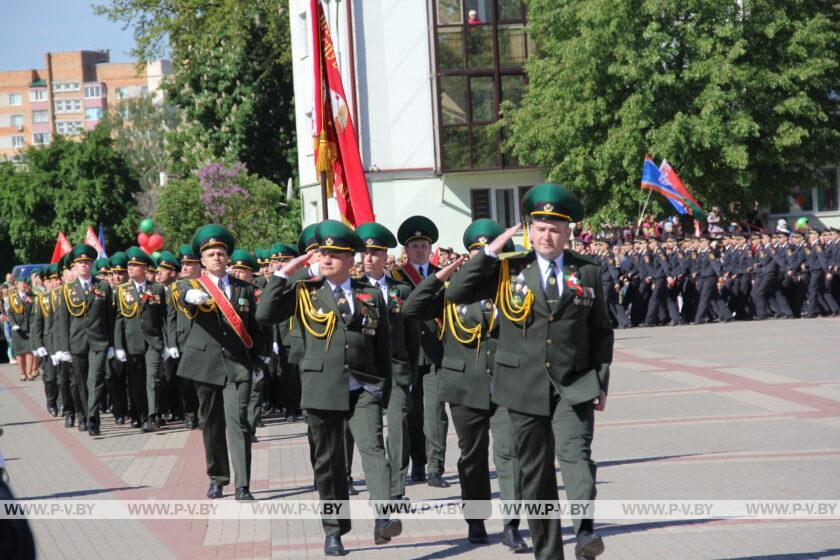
[45,309]
[15,303]
[310,316]
[208,306]
[184,310]
[515,312]
[73,309]
[127,310]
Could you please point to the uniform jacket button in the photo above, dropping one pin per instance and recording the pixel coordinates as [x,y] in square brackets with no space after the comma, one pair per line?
[548,364]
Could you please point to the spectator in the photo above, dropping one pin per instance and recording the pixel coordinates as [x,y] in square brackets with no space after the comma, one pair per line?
[472,18]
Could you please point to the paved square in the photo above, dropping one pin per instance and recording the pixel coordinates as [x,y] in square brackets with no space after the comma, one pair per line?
[743,410]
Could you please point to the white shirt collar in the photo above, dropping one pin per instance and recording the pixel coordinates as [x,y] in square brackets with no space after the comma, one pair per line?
[423,269]
[139,285]
[345,286]
[543,263]
[220,281]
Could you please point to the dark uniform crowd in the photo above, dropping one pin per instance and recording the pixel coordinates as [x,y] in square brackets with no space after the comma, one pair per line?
[740,276]
[516,344]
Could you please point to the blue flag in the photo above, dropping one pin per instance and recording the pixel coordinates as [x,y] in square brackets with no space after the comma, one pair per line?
[653,180]
[102,253]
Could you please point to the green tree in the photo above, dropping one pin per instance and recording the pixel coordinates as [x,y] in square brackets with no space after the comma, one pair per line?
[231,77]
[67,186]
[741,101]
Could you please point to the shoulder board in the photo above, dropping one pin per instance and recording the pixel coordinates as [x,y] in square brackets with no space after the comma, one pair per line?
[574,255]
[357,284]
[818,249]
[513,255]
[313,280]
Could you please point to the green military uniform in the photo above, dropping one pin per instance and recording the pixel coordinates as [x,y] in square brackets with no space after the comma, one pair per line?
[178,326]
[345,373]
[20,320]
[221,362]
[85,331]
[68,395]
[285,388]
[42,318]
[138,336]
[470,338]
[428,422]
[116,373]
[553,358]
[405,348]
[170,400]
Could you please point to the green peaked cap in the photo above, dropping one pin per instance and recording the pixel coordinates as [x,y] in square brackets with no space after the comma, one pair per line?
[241,258]
[213,235]
[306,240]
[417,227]
[119,262]
[376,236]
[137,256]
[83,252]
[168,260]
[333,235]
[549,201]
[483,231]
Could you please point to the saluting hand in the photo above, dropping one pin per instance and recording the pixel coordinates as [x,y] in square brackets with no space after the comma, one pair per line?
[296,264]
[444,273]
[497,245]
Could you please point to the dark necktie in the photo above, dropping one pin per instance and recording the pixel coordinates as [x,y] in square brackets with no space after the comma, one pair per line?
[552,290]
[343,304]
[422,271]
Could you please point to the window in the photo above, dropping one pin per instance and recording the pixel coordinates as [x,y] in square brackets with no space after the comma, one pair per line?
[68,127]
[144,91]
[40,116]
[827,190]
[121,92]
[65,86]
[93,113]
[40,138]
[15,99]
[93,92]
[480,203]
[499,203]
[38,95]
[68,106]
[17,141]
[16,121]
[481,49]
[802,199]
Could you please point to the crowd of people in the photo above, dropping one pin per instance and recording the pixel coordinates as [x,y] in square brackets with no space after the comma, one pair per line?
[335,331]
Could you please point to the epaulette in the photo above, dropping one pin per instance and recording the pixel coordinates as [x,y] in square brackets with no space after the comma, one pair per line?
[397,275]
[124,285]
[311,280]
[513,255]
[579,256]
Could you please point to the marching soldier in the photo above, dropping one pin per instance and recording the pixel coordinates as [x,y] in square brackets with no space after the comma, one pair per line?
[179,325]
[42,316]
[68,394]
[428,423]
[285,375]
[551,367]
[138,337]
[85,319]
[405,347]
[470,336]
[167,273]
[611,284]
[345,371]
[116,376]
[220,356]
[20,318]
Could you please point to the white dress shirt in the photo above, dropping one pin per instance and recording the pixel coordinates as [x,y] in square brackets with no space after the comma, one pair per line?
[422,269]
[140,287]
[348,293]
[86,284]
[223,283]
[544,271]
[382,284]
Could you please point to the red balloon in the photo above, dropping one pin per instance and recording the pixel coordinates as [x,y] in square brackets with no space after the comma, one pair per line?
[155,242]
[146,249]
[142,240]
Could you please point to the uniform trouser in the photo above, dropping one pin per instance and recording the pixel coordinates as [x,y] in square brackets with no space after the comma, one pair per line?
[656,303]
[671,294]
[435,422]
[417,439]
[116,381]
[760,295]
[89,371]
[255,398]
[66,387]
[616,310]
[224,409]
[170,387]
[710,298]
[638,307]
[186,391]
[398,441]
[473,426]
[818,296]
[327,429]
[50,382]
[569,431]
[144,382]
[290,388]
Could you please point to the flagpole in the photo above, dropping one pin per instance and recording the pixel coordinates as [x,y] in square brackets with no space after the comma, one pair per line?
[325,212]
[639,223]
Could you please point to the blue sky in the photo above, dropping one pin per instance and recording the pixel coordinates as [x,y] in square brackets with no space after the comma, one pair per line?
[33,27]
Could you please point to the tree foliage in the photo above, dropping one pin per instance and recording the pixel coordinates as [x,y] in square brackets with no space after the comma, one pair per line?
[67,186]
[231,77]
[741,100]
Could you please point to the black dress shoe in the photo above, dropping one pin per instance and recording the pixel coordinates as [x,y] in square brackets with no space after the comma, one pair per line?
[214,492]
[333,546]
[189,423]
[135,423]
[82,426]
[244,495]
[119,420]
[69,420]
[386,529]
[93,428]
[436,480]
[53,411]
[418,473]
[351,490]
[588,546]
[513,540]
[254,438]
[477,534]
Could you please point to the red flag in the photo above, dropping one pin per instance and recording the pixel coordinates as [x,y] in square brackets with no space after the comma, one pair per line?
[92,240]
[62,247]
[336,149]
[435,260]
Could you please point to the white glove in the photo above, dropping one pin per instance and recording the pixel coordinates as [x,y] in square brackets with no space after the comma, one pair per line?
[110,353]
[15,328]
[258,374]
[65,357]
[41,352]
[164,354]
[196,297]
[267,359]
[120,354]
[275,347]
[54,359]
[175,353]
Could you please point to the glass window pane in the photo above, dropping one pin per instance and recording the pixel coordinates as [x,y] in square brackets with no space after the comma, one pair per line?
[480,46]
[827,190]
[513,88]
[480,203]
[456,148]
[478,11]
[802,199]
[510,10]
[453,99]
[450,48]
[482,99]
[485,147]
[504,207]
[511,45]
[449,11]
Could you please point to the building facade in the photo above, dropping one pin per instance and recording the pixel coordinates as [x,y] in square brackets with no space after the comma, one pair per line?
[70,94]
[425,80]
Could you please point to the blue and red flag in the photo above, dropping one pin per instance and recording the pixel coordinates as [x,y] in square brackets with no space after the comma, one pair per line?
[653,180]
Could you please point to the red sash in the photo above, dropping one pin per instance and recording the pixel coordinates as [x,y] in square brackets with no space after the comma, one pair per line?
[412,273]
[228,312]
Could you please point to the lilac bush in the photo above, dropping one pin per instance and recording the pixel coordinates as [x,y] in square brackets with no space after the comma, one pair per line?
[221,191]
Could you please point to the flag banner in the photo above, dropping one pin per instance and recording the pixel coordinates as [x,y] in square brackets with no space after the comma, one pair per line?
[670,176]
[336,148]
[102,252]
[652,180]
[62,247]
[92,240]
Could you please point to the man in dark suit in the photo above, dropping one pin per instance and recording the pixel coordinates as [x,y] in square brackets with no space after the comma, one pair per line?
[345,370]
[221,354]
[552,363]
[85,319]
